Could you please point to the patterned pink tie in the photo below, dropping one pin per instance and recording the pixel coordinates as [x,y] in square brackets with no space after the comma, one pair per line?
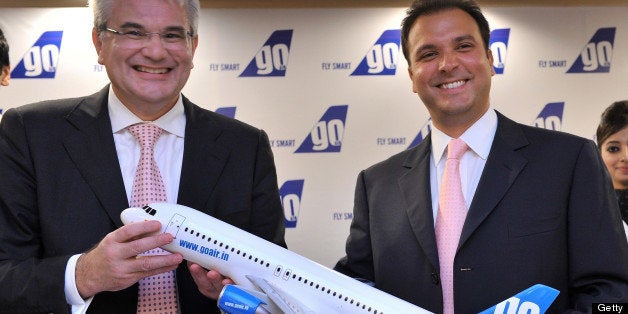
[452,211]
[157,294]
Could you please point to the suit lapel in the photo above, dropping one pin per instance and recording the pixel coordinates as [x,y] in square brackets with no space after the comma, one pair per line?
[203,157]
[415,187]
[502,168]
[90,146]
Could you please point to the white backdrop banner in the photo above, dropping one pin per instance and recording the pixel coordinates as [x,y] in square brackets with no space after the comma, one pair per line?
[330,86]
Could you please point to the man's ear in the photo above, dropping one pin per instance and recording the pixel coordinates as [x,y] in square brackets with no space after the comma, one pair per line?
[97,43]
[6,75]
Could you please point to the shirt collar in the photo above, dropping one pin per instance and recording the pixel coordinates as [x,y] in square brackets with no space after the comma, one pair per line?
[121,117]
[479,137]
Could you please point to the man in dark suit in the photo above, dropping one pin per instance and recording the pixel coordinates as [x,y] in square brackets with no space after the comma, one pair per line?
[539,204]
[67,167]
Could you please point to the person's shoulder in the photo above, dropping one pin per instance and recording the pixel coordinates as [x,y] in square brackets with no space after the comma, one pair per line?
[46,109]
[557,136]
[540,135]
[202,115]
[203,118]
[402,160]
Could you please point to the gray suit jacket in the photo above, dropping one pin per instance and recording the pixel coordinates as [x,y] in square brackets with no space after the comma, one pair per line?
[544,212]
[61,192]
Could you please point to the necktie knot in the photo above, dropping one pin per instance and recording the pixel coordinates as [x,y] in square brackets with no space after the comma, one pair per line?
[146,134]
[456,149]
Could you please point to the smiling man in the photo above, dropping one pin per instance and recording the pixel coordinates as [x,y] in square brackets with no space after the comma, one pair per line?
[484,207]
[70,166]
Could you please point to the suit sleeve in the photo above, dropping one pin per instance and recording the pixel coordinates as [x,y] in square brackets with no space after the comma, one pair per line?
[598,251]
[267,214]
[358,261]
[29,281]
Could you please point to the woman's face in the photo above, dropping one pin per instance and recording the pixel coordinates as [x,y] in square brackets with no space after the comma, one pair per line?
[615,154]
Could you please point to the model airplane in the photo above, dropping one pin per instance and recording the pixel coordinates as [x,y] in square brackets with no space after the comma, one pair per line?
[271,279]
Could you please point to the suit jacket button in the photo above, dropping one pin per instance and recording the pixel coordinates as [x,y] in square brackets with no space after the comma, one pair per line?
[435,278]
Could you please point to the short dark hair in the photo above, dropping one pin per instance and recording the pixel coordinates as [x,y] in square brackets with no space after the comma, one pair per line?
[4,51]
[614,118]
[426,7]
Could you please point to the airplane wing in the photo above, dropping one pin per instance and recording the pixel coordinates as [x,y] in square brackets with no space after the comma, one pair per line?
[283,300]
[236,299]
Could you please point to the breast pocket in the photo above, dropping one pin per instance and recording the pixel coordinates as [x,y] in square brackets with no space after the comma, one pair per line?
[530,227]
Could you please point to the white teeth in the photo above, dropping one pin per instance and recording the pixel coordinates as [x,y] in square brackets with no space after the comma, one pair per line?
[452,84]
[153,71]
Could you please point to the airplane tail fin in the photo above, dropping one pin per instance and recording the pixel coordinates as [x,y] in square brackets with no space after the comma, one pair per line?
[536,299]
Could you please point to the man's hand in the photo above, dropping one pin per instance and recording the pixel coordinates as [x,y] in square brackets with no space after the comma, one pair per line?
[114,263]
[210,283]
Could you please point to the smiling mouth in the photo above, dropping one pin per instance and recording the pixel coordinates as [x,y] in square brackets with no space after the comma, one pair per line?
[152,70]
[452,85]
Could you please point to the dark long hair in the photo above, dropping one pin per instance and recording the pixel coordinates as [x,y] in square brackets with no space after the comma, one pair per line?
[614,118]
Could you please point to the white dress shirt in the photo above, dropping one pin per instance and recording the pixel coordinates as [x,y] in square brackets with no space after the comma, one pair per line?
[479,137]
[169,158]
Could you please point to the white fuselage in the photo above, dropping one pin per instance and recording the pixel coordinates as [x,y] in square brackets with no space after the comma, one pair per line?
[235,253]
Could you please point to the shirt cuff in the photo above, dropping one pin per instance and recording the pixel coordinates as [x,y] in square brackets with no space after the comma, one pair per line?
[72,296]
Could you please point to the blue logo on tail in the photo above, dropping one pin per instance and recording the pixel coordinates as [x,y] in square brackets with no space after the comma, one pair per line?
[272,58]
[41,60]
[498,44]
[534,300]
[551,117]
[597,54]
[381,59]
[328,132]
[291,192]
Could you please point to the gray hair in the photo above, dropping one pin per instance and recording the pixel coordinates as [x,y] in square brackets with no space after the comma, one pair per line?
[102,13]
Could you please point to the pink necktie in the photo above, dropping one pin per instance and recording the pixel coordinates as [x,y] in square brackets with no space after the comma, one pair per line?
[452,211]
[157,294]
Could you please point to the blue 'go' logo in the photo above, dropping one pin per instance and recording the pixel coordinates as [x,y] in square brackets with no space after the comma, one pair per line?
[41,60]
[551,117]
[498,44]
[328,132]
[597,54]
[227,111]
[381,59]
[291,192]
[272,58]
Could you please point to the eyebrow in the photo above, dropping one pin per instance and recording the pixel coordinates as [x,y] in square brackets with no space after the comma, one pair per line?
[140,26]
[612,142]
[455,40]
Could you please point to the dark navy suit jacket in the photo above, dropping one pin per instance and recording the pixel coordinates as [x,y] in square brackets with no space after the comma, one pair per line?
[61,192]
[544,212]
